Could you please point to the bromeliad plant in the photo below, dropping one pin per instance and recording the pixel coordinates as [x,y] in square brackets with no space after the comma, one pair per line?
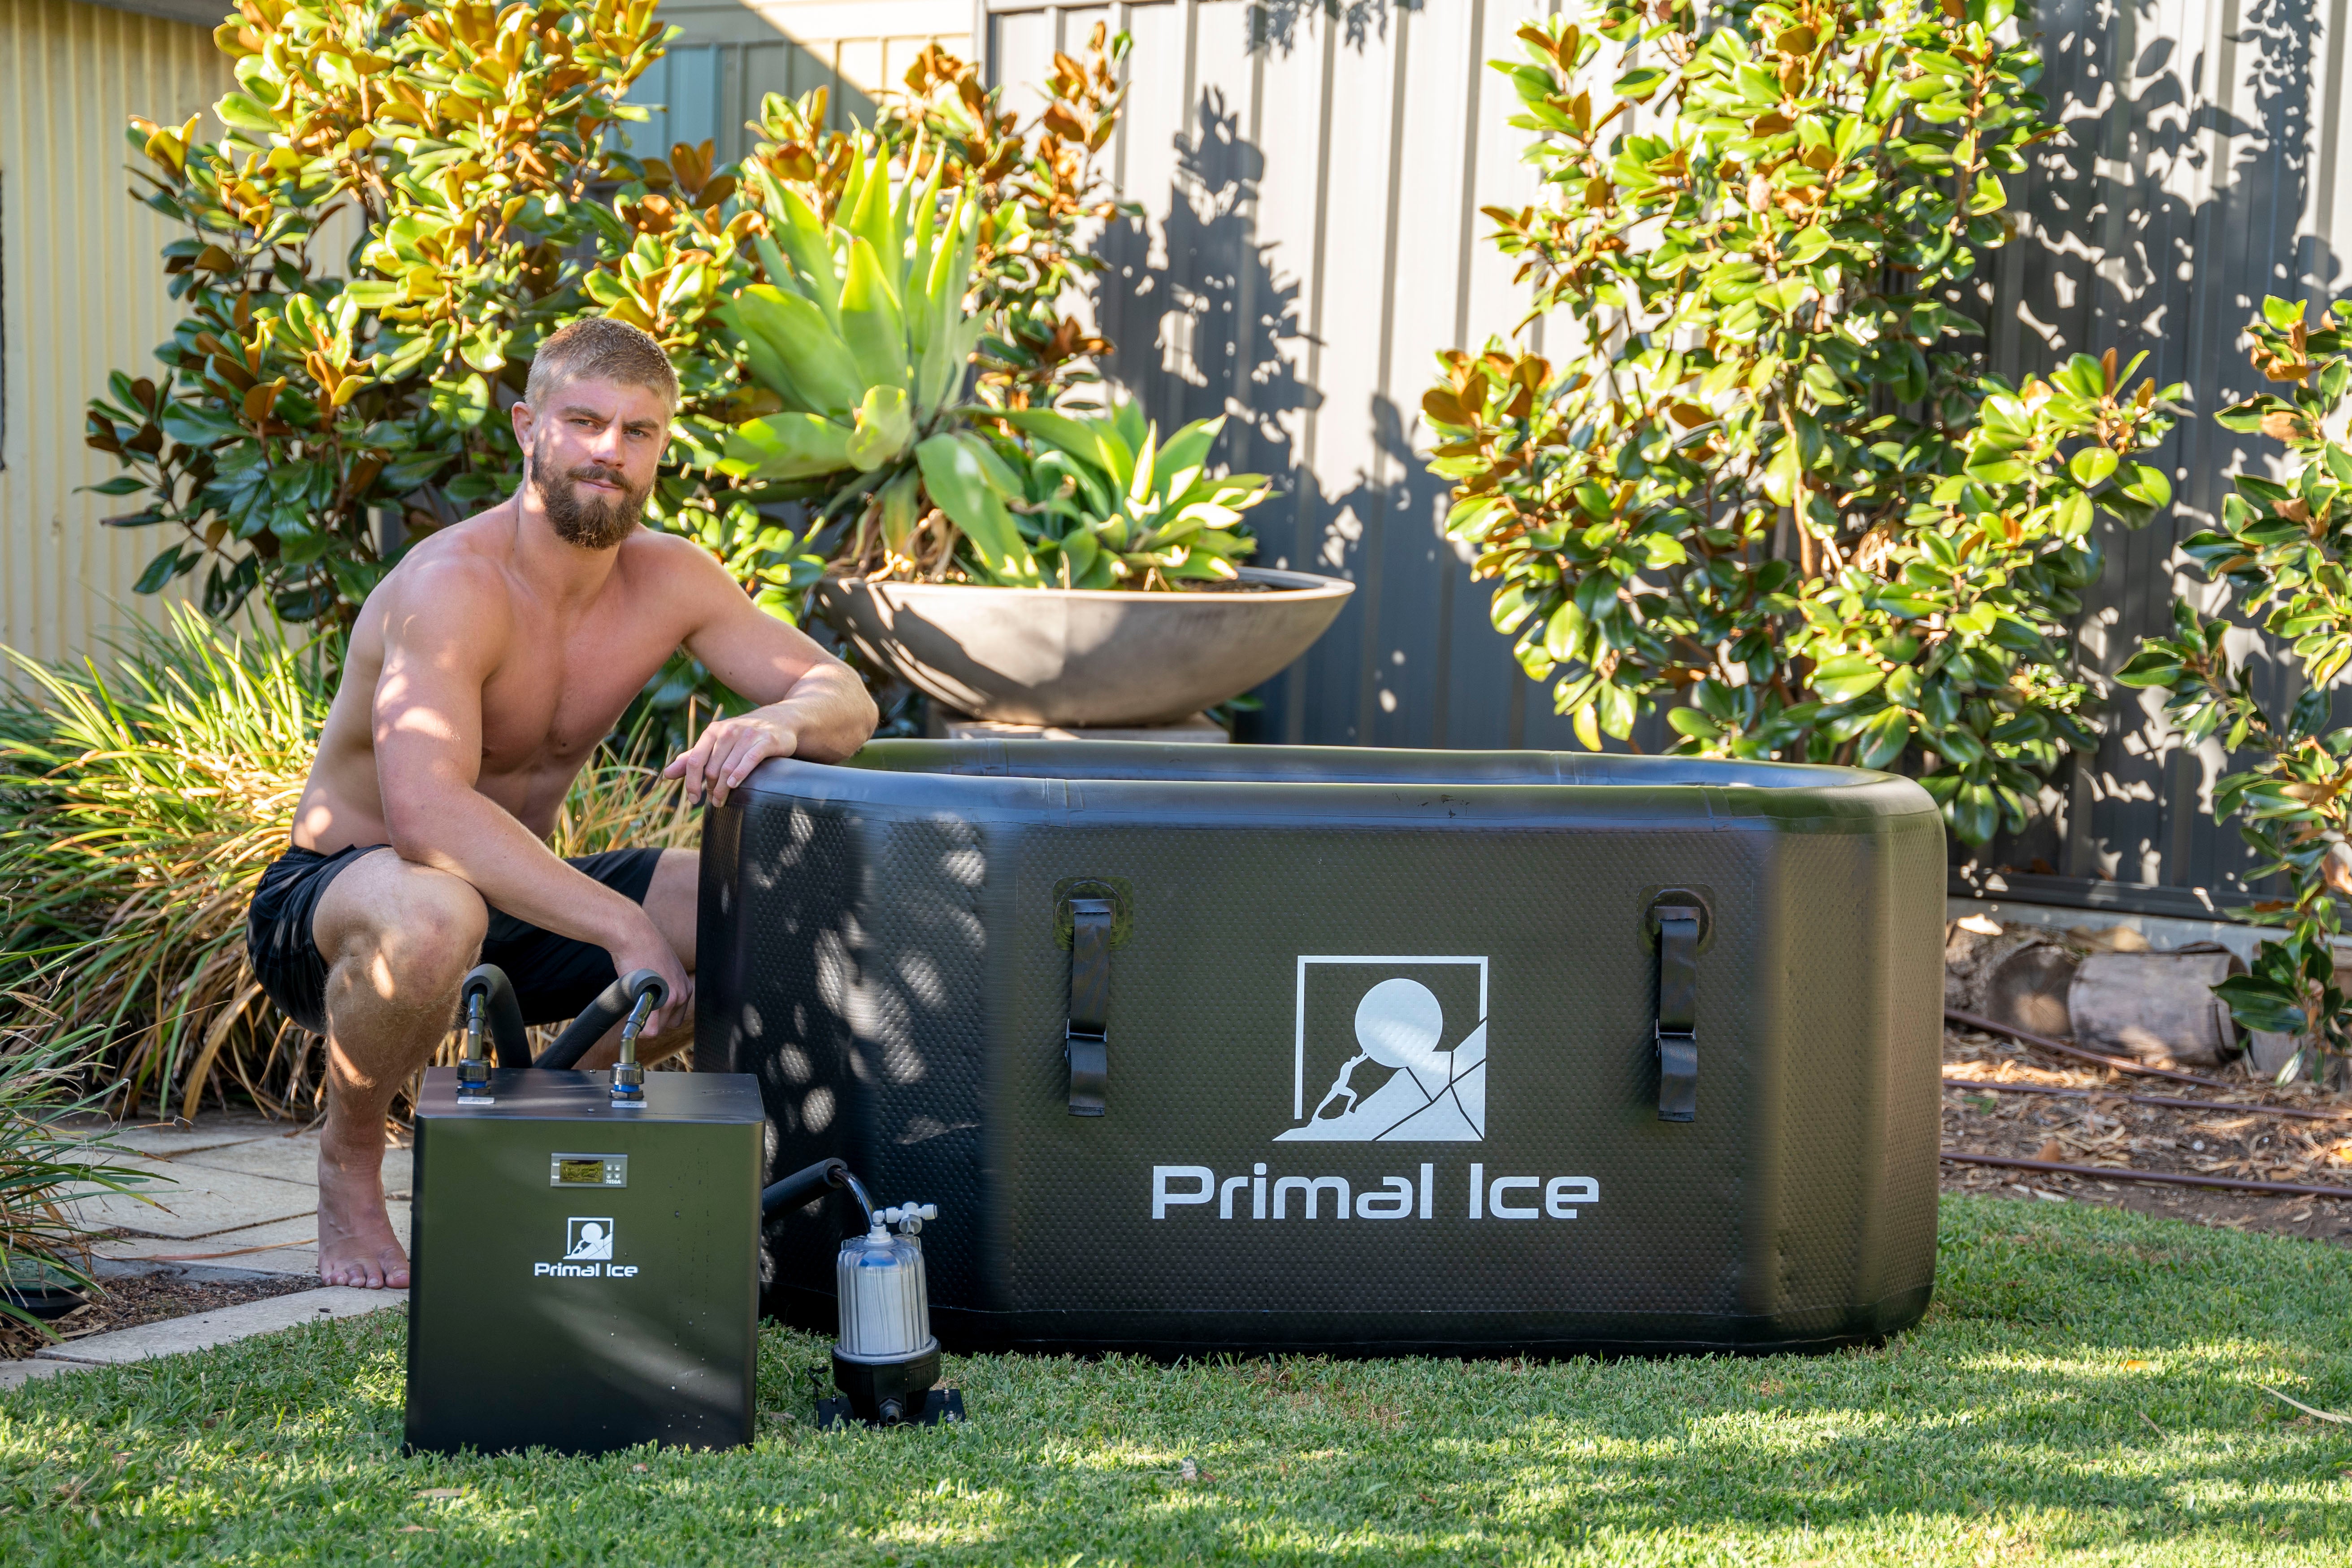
[1111,506]
[1773,491]
[2282,549]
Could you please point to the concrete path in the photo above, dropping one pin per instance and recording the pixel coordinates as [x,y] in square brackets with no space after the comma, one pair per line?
[234,1197]
[223,1325]
[238,1190]
[197,1331]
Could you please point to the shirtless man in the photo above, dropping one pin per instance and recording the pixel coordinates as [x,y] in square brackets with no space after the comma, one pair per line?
[481,674]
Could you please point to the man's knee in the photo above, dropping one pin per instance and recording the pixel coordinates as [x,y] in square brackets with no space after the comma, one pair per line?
[420,933]
[672,898]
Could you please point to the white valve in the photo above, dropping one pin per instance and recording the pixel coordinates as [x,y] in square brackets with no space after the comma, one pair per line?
[907,1217]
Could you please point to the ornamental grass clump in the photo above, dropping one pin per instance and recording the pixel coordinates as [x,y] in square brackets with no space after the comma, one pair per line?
[45,1165]
[1773,491]
[139,805]
[2281,553]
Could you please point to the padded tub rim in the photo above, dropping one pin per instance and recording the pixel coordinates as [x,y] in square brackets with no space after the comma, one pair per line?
[1064,779]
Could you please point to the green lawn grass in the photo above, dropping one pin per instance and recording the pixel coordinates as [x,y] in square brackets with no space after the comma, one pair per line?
[2083,1391]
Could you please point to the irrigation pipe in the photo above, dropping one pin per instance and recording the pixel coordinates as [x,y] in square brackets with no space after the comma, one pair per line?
[2170,1178]
[2215,1105]
[2043,1042]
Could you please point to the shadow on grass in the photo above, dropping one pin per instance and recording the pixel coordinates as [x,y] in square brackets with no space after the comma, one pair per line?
[2085,1384]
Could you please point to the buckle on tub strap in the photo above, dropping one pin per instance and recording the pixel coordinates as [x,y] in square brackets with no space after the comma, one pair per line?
[1086,1042]
[1677,1036]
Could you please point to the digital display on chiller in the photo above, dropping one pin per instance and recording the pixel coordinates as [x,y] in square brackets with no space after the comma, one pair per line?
[577,1169]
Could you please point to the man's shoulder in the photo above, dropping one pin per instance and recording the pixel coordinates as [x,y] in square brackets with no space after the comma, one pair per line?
[673,566]
[664,551]
[448,577]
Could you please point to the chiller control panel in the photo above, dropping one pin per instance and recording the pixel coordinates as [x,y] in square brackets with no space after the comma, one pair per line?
[587,1169]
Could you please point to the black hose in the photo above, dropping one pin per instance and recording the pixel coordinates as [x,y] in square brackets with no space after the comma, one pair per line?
[502,1012]
[809,1181]
[597,1019]
[801,1187]
[1983,1024]
[2171,1178]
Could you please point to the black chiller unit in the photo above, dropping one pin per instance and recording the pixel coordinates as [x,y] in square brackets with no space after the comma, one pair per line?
[1242,1048]
[585,1252]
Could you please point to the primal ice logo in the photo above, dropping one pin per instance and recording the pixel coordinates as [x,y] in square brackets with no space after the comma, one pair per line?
[587,1252]
[1391,1077]
[588,1241]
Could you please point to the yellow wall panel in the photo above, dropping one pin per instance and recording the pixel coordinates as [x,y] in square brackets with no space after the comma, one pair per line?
[82,293]
[81,280]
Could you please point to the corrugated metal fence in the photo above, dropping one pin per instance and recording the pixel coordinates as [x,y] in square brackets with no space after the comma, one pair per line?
[1313,240]
[84,294]
[1312,179]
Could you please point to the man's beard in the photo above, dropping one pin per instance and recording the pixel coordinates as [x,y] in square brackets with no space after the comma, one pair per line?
[590,522]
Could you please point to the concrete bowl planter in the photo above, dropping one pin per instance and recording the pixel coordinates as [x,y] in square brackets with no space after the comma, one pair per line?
[1083,657]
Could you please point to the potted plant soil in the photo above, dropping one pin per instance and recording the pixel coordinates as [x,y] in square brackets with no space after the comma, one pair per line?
[1027,565]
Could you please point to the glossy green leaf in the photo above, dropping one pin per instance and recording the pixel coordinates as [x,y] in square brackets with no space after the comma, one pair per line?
[956,475]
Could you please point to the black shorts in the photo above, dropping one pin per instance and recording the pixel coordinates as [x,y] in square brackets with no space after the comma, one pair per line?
[555,977]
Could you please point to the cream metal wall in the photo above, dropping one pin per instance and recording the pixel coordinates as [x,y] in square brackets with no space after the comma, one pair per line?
[81,285]
[82,293]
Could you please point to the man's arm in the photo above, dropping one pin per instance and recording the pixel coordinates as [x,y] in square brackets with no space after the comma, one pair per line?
[813,705]
[442,637]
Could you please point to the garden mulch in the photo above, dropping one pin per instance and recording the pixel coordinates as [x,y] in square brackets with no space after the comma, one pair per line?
[2107,1130]
[152,1298]
[126,1301]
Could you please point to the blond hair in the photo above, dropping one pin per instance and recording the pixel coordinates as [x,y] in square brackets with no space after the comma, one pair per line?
[599,348]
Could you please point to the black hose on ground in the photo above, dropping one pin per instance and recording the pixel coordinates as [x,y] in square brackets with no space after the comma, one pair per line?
[2167,1178]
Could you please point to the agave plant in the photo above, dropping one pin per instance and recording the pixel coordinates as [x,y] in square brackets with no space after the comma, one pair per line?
[1110,506]
[861,335]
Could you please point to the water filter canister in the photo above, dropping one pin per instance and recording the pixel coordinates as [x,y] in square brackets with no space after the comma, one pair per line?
[884,1298]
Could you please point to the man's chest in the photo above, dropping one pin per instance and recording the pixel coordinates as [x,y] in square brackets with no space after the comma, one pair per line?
[557,693]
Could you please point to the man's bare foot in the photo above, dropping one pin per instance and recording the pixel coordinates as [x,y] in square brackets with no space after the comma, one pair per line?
[356,1243]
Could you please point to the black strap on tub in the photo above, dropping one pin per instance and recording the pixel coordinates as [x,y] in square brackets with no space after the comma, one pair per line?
[1678,930]
[1087,1042]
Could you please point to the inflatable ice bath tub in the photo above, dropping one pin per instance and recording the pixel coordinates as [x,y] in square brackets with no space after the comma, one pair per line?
[1208,1048]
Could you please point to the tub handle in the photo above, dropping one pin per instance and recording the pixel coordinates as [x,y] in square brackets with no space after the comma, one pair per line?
[1678,1030]
[1086,1043]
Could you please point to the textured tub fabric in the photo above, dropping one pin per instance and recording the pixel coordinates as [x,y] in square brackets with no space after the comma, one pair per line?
[1350,981]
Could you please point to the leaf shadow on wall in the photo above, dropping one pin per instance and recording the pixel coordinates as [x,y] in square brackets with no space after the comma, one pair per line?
[2171,206]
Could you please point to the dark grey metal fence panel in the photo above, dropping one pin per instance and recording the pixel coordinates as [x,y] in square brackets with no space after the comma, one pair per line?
[1313,184]
[1313,240]
[2198,175]
[699,92]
